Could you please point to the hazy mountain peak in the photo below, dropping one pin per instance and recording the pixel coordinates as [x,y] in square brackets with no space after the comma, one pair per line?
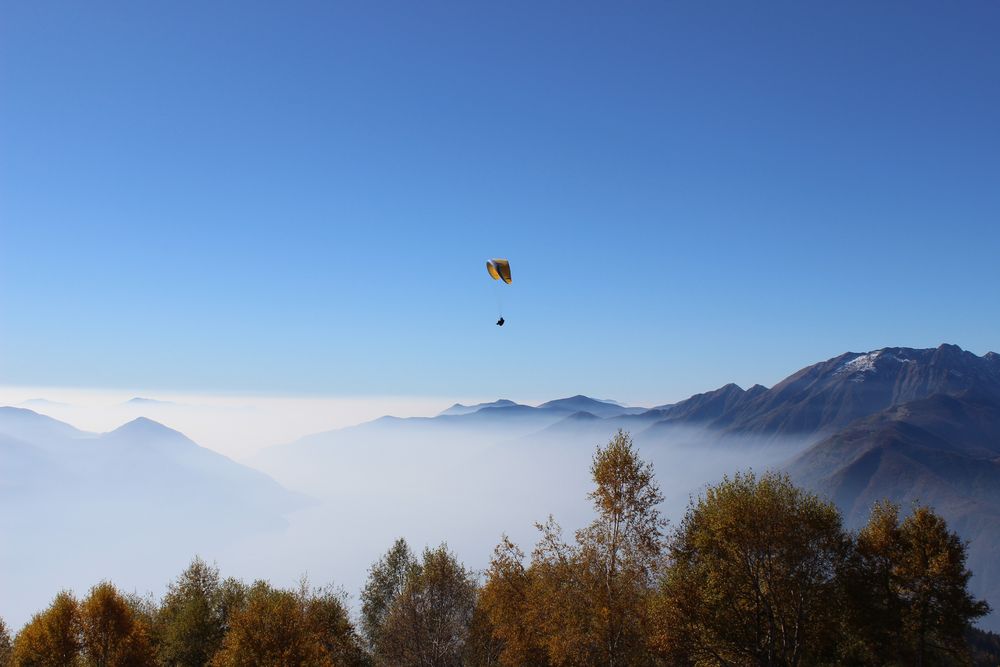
[142,400]
[612,402]
[581,403]
[145,427]
[579,398]
[460,409]
[23,413]
[19,422]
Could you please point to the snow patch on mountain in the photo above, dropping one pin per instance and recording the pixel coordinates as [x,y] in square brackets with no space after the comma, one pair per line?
[859,365]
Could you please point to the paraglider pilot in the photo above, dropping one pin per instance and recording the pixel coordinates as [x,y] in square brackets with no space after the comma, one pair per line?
[499,269]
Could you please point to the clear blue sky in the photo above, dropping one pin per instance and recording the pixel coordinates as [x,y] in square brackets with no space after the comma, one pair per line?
[300,197]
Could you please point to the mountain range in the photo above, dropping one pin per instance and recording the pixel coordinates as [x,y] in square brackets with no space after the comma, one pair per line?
[133,503]
[910,425]
[142,463]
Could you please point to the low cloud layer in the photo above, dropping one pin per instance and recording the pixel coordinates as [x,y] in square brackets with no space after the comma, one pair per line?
[428,480]
[235,425]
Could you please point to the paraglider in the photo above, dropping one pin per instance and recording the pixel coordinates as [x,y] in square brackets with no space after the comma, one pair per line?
[499,269]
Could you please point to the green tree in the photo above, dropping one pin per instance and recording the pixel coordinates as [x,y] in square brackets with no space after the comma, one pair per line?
[428,622]
[193,616]
[110,633]
[753,577]
[51,638]
[386,580]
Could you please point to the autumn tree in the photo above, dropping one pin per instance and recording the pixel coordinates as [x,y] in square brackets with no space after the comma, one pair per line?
[621,549]
[194,615]
[752,578]
[110,633]
[871,610]
[6,645]
[483,647]
[503,611]
[911,602]
[386,580]
[330,627]
[51,638]
[300,628]
[428,622]
[587,602]
[559,600]
[933,583]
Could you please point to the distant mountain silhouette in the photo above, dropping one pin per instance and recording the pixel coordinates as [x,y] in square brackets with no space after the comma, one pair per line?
[459,409]
[29,426]
[142,465]
[134,502]
[580,403]
[142,401]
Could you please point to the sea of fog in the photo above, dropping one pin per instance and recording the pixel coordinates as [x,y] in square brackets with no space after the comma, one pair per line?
[363,489]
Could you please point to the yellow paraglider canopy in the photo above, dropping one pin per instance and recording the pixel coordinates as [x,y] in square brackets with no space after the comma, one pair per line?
[499,269]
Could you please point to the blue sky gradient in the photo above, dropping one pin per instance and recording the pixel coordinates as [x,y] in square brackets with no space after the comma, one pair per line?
[300,197]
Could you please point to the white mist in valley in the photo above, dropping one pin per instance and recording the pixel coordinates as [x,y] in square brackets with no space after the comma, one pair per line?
[136,504]
[431,482]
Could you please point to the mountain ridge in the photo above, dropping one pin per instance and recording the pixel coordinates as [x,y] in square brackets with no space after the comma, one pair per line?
[907,424]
